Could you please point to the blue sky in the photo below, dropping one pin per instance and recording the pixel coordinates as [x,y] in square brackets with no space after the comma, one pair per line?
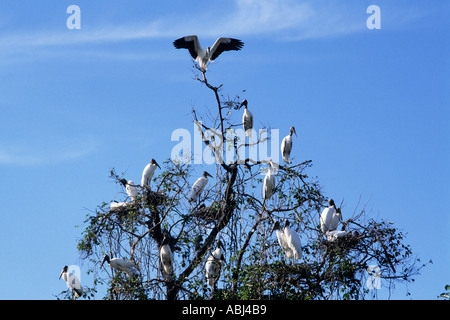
[371,109]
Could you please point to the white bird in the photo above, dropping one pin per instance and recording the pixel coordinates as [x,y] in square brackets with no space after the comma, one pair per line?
[166,256]
[247,119]
[289,240]
[335,220]
[198,186]
[117,206]
[203,57]
[131,188]
[148,173]
[121,265]
[269,182]
[329,218]
[72,281]
[214,265]
[280,236]
[335,234]
[286,145]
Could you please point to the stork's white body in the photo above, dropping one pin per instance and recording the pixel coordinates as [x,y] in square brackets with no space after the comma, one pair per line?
[293,242]
[335,234]
[117,206]
[268,183]
[329,219]
[213,266]
[123,265]
[72,281]
[132,190]
[282,241]
[147,174]
[247,122]
[289,241]
[197,188]
[286,145]
[166,257]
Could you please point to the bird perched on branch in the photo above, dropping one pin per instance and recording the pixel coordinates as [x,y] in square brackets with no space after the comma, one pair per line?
[247,119]
[203,57]
[289,240]
[118,206]
[121,265]
[198,186]
[269,182]
[148,173]
[286,145]
[330,217]
[166,256]
[72,281]
[214,264]
[131,188]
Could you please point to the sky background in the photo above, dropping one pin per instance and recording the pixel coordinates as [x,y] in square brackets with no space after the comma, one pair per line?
[370,107]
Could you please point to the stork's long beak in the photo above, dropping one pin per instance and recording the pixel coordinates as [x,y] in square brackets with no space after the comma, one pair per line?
[222,246]
[157,164]
[295,133]
[104,259]
[60,275]
[275,226]
[209,175]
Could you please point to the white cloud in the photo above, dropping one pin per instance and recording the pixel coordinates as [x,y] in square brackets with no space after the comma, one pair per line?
[285,20]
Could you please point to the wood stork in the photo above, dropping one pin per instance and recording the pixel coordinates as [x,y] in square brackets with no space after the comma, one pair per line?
[117,206]
[335,234]
[286,145]
[166,256]
[203,57]
[121,265]
[148,173]
[269,182]
[247,119]
[289,240]
[72,281]
[131,188]
[329,218]
[336,219]
[198,186]
[214,264]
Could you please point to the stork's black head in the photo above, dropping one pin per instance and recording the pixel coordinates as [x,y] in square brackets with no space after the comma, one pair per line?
[64,270]
[206,174]
[244,103]
[292,130]
[220,245]
[331,203]
[276,226]
[107,259]
[153,161]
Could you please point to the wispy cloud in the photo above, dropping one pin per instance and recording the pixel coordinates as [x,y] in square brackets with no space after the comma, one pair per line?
[285,20]
[26,154]
[244,18]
